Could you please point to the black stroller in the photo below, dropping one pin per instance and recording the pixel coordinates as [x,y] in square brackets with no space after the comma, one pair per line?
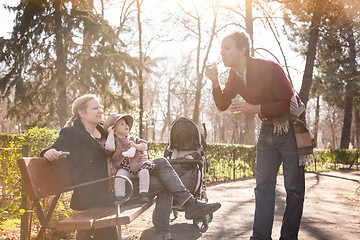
[186,153]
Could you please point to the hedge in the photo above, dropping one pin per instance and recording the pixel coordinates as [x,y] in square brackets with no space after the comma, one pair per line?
[225,161]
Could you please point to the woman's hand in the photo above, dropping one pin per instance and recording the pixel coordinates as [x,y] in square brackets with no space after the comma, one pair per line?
[52,154]
[242,107]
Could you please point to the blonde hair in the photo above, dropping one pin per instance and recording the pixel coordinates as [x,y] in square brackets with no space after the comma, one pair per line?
[80,104]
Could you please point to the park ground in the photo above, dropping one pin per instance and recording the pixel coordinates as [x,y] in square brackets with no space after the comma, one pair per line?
[331,211]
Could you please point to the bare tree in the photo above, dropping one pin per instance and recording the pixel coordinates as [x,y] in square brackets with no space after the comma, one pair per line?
[203,44]
[329,124]
[140,71]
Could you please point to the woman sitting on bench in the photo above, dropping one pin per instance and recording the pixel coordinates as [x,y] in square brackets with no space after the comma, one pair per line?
[84,138]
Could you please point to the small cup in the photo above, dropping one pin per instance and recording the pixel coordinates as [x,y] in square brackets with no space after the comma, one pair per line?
[232,101]
[238,98]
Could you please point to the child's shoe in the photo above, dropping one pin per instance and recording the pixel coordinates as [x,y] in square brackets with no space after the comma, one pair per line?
[130,152]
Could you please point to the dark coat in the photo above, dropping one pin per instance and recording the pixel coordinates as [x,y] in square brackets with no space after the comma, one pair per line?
[88,162]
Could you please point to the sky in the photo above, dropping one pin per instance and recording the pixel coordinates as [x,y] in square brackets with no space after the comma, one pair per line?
[173,51]
[6,18]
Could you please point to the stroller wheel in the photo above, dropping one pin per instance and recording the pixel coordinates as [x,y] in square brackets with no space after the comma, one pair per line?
[205,220]
[196,222]
[176,214]
[211,216]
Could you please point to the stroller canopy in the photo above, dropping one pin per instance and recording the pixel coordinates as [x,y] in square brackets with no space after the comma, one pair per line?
[184,135]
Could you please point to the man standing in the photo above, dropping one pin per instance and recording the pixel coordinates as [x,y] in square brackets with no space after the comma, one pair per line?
[267,92]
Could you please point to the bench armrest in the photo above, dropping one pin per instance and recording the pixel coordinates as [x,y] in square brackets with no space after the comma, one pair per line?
[127,181]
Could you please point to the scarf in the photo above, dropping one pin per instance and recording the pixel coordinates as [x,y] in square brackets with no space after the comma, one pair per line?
[304,139]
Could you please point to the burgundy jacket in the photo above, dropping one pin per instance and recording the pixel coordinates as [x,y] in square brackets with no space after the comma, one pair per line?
[266,85]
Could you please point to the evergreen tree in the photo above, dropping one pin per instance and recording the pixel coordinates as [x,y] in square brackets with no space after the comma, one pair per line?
[46,58]
[305,19]
[337,62]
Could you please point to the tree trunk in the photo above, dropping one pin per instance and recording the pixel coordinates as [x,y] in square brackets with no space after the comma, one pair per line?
[196,114]
[249,24]
[102,7]
[222,134]
[249,118]
[141,67]
[349,94]
[317,116]
[310,57]
[332,127]
[60,65]
[357,124]
[236,131]
[167,121]
[201,66]
[85,71]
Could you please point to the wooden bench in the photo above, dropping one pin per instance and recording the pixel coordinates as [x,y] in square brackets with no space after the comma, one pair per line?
[43,178]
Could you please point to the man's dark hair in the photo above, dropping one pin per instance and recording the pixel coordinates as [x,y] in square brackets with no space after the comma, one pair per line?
[241,40]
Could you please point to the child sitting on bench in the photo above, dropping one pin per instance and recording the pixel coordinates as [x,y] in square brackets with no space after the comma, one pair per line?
[126,155]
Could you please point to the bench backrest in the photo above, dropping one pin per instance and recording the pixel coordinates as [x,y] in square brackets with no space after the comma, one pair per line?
[43,178]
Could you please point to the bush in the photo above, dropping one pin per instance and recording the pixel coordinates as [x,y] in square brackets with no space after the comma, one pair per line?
[333,159]
[230,161]
[9,174]
[38,139]
[11,150]
[225,161]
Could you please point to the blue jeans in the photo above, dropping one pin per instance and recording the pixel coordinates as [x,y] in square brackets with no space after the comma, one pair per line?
[271,151]
[166,185]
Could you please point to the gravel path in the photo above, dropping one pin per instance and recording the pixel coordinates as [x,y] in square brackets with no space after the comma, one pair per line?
[331,211]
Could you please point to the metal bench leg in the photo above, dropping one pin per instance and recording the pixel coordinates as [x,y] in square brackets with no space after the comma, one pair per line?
[118,226]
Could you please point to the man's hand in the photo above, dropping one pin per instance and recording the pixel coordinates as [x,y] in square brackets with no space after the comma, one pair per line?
[212,73]
[242,107]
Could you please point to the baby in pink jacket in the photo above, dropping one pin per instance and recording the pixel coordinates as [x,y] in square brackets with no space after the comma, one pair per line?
[127,150]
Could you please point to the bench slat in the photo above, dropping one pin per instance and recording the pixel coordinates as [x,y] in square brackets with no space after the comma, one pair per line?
[102,217]
[128,214]
[83,220]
